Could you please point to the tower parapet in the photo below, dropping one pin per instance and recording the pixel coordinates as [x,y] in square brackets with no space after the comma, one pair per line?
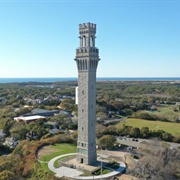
[87,25]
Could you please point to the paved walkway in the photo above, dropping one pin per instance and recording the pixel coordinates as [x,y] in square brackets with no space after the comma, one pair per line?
[75,174]
[63,171]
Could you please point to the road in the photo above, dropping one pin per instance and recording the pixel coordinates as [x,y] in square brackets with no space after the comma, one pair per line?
[143,143]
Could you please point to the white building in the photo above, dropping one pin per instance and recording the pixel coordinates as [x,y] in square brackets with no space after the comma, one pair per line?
[76,95]
[28,119]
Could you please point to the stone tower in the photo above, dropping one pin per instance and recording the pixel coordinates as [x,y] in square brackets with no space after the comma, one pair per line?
[87,57]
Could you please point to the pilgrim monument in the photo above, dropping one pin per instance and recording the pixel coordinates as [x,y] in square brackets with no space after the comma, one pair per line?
[87,58]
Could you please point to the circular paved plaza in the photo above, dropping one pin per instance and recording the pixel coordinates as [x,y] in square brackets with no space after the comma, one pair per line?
[76,174]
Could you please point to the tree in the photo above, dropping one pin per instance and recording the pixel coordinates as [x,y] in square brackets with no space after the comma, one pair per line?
[145,115]
[117,105]
[120,128]
[23,111]
[52,102]
[19,130]
[145,132]
[100,107]
[135,132]
[151,100]
[167,136]
[4,175]
[22,133]
[102,115]
[107,141]
[38,127]
[68,104]
[7,126]
[126,130]
[72,126]
[100,129]
[128,112]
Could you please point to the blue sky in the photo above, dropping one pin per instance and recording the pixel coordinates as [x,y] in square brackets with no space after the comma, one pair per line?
[136,38]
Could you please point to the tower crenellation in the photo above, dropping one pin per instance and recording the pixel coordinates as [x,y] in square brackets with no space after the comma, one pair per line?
[87,25]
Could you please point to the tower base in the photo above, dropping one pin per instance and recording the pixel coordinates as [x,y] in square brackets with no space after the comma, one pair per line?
[83,159]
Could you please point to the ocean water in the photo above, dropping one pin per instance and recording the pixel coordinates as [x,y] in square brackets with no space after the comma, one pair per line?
[20,80]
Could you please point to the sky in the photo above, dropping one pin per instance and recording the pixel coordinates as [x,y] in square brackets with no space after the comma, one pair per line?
[136,38]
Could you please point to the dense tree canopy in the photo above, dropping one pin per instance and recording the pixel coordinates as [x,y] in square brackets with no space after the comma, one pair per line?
[115,99]
[159,163]
[107,141]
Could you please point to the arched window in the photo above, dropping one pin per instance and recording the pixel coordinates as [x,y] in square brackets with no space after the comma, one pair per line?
[91,41]
[83,41]
[83,65]
[80,65]
[86,65]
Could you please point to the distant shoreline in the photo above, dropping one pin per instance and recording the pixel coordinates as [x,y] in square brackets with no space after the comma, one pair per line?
[26,80]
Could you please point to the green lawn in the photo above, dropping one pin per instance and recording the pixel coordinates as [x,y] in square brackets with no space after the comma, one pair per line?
[56,163]
[62,149]
[45,167]
[173,128]
[168,112]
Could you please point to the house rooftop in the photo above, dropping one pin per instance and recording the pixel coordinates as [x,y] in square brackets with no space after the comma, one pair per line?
[42,112]
[50,123]
[53,131]
[35,111]
[2,134]
[11,139]
[29,118]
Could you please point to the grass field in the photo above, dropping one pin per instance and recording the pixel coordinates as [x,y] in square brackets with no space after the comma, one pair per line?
[168,112]
[62,149]
[56,163]
[173,128]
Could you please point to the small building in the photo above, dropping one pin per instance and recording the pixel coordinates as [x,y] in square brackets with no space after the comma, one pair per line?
[3,99]
[42,112]
[11,142]
[54,131]
[52,125]
[66,113]
[28,119]
[2,135]
[31,135]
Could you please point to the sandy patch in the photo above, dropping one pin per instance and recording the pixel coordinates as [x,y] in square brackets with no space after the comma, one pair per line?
[121,156]
[129,161]
[46,150]
[127,177]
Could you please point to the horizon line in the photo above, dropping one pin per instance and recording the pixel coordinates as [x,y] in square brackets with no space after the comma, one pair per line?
[97,77]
